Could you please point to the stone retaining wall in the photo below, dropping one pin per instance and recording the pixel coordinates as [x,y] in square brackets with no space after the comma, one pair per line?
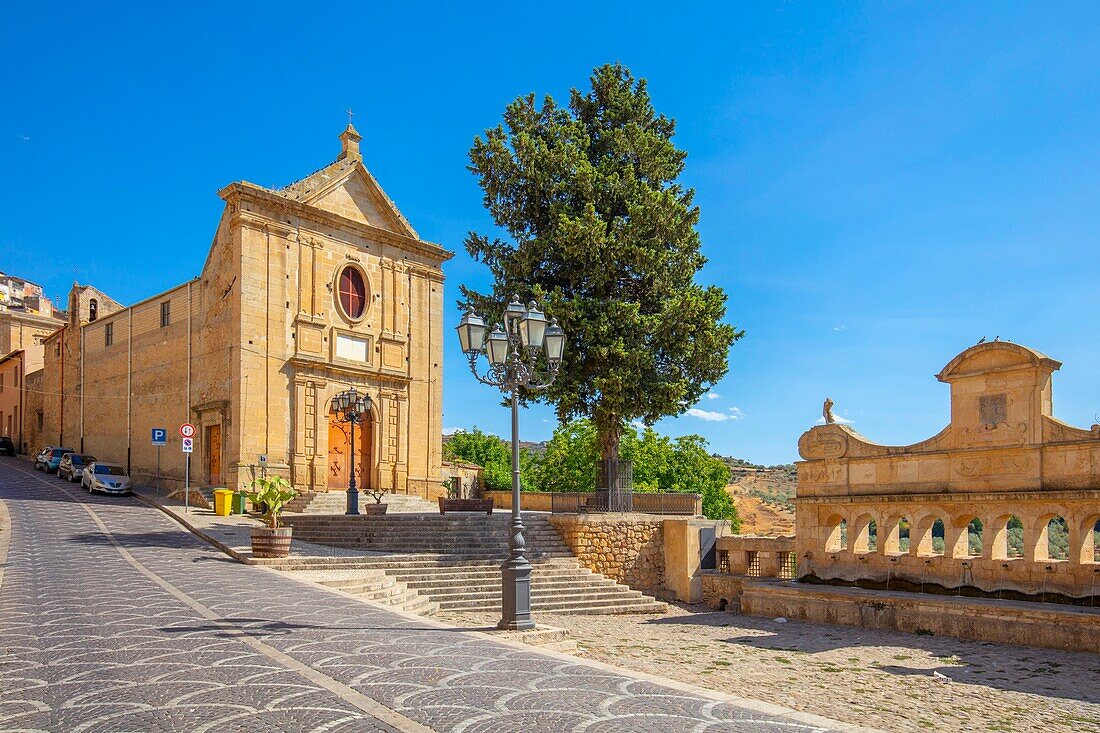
[628,548]
[1004,622]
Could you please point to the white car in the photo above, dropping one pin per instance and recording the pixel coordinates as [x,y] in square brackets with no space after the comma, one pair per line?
[110,478]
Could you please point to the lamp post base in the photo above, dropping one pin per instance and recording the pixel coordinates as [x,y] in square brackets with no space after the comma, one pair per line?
[516,598]
[353,502]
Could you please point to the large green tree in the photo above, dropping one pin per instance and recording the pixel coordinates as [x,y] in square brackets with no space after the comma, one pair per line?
[660,463]
[598,223]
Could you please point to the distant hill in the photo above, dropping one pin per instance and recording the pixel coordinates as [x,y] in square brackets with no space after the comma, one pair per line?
[539,447]
[763,496]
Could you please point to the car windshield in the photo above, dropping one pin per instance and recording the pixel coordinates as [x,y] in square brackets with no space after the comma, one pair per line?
[112,470]
[56,452]
[81,460]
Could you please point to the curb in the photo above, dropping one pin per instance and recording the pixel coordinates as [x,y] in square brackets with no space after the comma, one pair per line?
[196,531]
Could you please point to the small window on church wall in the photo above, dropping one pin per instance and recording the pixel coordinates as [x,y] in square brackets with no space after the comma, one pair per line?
[353,292]
[93,310]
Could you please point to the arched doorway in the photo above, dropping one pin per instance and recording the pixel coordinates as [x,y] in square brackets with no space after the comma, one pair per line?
[339,435]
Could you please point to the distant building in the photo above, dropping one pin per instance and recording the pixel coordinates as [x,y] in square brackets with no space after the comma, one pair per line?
[27,318]
[307,290]
[12,376]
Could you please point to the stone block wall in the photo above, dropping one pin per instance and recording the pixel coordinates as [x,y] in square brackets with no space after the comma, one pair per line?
[722,591]
[628,548]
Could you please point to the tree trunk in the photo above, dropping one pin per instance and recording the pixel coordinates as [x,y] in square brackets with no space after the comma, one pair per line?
[609,431]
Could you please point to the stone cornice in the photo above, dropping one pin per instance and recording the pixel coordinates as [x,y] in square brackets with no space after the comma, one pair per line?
[953,498]
[235,192]
[323,369]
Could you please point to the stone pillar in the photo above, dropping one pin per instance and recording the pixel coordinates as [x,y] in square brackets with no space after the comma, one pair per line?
[1036,547]
[955,541]
[682,560]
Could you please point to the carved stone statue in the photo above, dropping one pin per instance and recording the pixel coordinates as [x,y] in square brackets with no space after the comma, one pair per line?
[827,412]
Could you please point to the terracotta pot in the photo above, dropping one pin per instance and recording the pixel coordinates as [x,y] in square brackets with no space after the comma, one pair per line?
[372,509]
[268,542]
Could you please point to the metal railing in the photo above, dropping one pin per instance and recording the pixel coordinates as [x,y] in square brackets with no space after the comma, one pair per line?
[644,503]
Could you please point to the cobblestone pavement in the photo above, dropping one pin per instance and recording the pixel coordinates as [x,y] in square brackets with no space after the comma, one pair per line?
[114,619]
[888,680]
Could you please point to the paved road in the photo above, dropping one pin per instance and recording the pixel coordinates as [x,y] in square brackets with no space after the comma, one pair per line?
[114,619]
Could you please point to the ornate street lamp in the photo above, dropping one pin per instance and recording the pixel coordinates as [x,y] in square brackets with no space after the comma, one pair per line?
[352,408]
[525,352]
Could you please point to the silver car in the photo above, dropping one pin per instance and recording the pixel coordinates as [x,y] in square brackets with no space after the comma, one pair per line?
[110,478]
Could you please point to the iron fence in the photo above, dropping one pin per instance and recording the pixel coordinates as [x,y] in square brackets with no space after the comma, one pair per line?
[645,503]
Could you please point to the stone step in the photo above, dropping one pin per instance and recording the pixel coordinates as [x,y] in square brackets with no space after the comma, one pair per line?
[392,561]
[376,586]
[564,586]
[549,606]
[367,583]
[484,535]
[573,600]
[309,535]
[557,575]
[335,502]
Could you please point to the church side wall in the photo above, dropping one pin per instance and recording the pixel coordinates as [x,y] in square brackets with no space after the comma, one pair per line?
[104,395]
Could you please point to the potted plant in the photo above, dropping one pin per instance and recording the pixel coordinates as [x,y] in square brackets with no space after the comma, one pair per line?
[377,507]
[270,495]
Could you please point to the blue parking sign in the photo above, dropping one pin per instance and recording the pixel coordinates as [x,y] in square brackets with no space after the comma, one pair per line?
[160,436]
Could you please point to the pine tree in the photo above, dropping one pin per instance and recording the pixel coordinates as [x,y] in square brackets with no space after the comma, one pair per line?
[600,226]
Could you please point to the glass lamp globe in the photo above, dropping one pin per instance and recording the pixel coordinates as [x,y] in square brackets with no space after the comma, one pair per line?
[554,341]
[532,327]
[471,333]
[496,347]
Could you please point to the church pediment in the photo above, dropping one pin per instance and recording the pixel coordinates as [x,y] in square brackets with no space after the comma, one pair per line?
[357,196]
[346,188]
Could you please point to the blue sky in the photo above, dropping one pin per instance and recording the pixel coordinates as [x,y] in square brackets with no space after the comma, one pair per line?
[881,184]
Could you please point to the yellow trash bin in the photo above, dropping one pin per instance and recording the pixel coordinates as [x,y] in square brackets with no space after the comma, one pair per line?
[223,502]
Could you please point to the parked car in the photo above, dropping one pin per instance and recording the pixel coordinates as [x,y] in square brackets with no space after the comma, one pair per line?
[110,478]
[50,457]
[7,448]
[72,466]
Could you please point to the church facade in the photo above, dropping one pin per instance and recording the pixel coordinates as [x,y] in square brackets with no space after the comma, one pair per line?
[307,290]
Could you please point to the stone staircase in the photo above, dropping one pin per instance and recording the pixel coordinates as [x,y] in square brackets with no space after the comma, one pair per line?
[335,502]
[454,561]
[373,585]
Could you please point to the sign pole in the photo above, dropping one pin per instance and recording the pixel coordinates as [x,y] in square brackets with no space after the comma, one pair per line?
[187,430]
[160,438]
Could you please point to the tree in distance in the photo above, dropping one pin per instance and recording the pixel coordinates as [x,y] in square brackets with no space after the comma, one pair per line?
[599,224]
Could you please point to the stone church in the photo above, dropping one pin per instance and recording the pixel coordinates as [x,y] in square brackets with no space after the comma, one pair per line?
[307,290]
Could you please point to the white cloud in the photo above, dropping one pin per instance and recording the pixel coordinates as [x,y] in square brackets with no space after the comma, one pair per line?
[24,138]
[709,416]
[637,424]
[840,327]
[452,431]
[736,413]
[713,396]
